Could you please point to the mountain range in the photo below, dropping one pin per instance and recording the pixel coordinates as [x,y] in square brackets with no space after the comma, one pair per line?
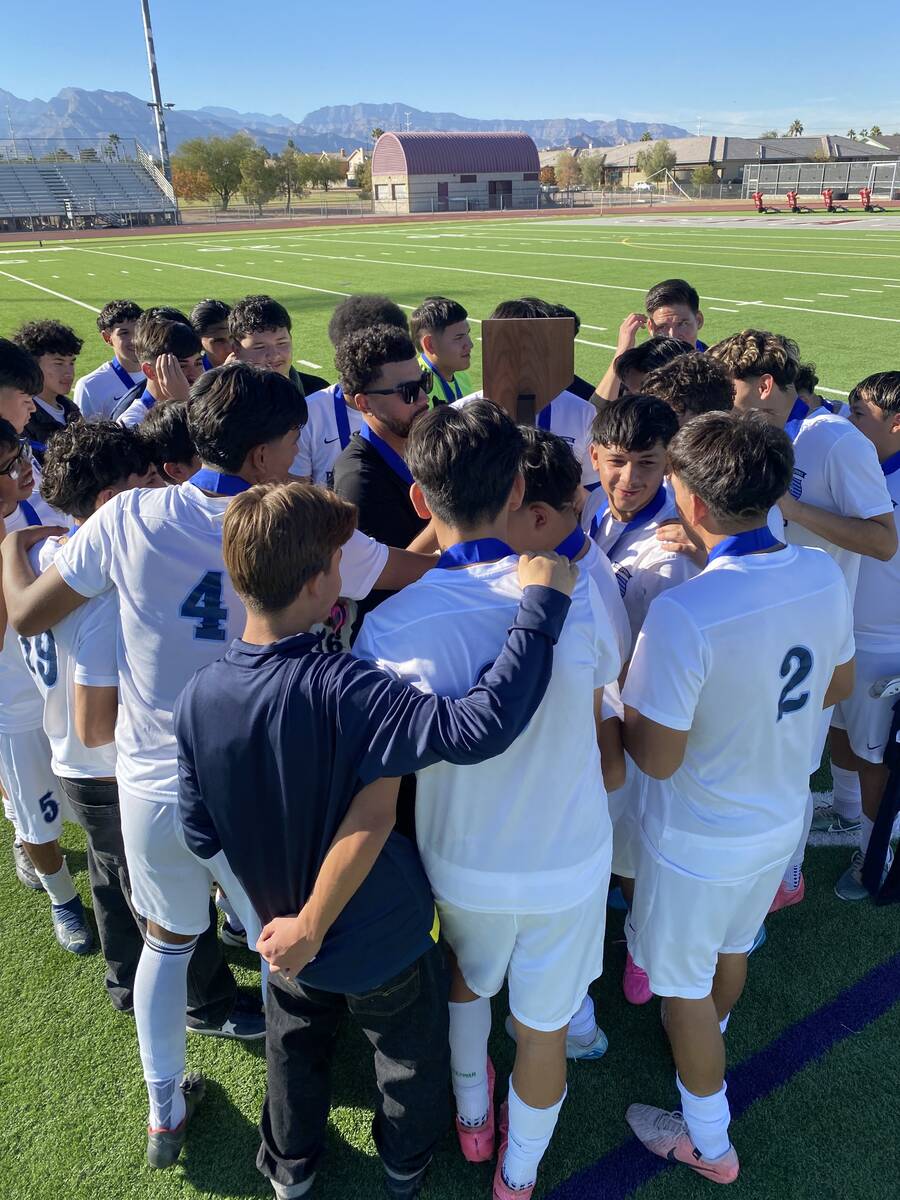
[76,113]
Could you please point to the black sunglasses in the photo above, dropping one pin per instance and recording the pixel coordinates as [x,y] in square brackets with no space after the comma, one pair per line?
[409,389]
[13,463]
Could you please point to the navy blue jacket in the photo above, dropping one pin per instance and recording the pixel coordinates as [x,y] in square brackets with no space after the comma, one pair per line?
[275,741]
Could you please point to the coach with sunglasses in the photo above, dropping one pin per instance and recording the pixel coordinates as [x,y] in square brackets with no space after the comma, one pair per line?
[378,367]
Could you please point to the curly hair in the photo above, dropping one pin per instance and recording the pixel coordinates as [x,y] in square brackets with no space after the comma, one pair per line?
[755,352]
[807,380]
[692,383]
[361,355]
[47,337]
[85,458]
[362,310]
[115,312]
[257,314]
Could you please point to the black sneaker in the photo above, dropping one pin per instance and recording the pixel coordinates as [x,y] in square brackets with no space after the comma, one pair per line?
[232,936]
[404,1187]
[25,872]
[164,1145]
[246,1022]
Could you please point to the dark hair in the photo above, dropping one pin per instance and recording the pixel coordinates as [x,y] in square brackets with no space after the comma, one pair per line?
[881,389]
[166,435]
[207,313]
[737,463]
[465,460]
[526,307]
[634,423]
[647,356]
[115,312]
[257,314]
[807,380]
[362,310]
[563,310]
[236,407]
[8,435]
[672,291]
[19,370]
[154,336]
[551,471]
[361,355]
[165,312]
[754,352]
[47,337]
[433,315]
[692,383]
[84,458]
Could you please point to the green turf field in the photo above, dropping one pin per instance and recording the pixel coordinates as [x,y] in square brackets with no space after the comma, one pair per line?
[815,1064]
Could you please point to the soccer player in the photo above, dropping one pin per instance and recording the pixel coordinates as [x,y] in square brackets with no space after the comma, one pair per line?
[806,383]
[74,668]
[171,360]
[633,366]
[690,384]
[209,320]
[54,347]
[333,416]
[168,439]
[260,328]
[862,722]
[354,926]
[98,392]
[161,551]
[442,335]
[20,381]
[838,498]
[31,797]
[723,702]
[672,309]
[520,884]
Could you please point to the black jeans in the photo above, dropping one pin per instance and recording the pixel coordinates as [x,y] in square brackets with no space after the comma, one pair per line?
[211,985]
[406,1020]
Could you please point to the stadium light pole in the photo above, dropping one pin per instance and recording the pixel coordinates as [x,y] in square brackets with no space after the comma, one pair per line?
[156,103]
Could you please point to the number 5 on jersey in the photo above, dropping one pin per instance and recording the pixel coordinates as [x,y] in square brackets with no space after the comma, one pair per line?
[203,604]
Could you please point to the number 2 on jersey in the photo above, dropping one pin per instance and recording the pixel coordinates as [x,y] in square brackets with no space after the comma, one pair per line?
[798,659]
[204,605]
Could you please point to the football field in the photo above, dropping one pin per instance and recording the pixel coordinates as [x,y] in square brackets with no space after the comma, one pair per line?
[814,1045]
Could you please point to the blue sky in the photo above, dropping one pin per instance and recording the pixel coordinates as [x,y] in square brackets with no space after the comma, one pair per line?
[737,67]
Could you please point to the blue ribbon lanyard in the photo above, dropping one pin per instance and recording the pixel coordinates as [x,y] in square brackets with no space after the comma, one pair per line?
[572,546]
[748,542]
[643,517]
[464,554]
[204,359]
[122,373]
[543,417]
[220,483]
[29,514]
[387,453]
[451,393]
[146,398]
[892,464]
[796,417]
[340,416]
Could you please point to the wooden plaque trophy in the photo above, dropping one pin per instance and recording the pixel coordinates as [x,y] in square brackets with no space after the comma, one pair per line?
[527,362]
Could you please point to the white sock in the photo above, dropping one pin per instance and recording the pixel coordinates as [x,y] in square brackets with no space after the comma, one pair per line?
[865,832]
[160,1004]
[470,1027]
[723,1024]
[530,1131]
[583,1026]
[223,903]
[792,874]
[59,886]
[847,801]
[708,1118]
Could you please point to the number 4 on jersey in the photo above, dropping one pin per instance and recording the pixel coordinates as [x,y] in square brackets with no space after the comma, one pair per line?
[204,605]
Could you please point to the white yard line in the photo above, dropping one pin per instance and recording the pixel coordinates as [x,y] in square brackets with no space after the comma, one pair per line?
[800,299]
[712,308]
[304,362]
[50,292]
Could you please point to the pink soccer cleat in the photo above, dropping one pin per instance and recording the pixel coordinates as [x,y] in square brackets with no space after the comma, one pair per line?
[666,1134]
[786,896]
[635,983]
[477,1141]
[502,1190]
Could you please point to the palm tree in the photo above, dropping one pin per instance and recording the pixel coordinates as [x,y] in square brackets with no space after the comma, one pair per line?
[795,128]
[376,133]
[851,133]
[112,145]
[875,131]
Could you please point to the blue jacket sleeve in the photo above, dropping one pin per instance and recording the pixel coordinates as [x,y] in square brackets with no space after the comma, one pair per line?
[199,832]
[410,729]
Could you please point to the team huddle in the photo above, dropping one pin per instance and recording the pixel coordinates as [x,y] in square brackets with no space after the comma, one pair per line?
[413,694]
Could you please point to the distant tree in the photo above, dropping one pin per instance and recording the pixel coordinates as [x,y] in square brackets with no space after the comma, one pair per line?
[705,175]
[290,171]
[851,133]
[327,171]
[190,184]
[592,169]
[567,172]
[376,133]
[219,159]
[88,154]
[259,178]
[111,149]
[769,133]
[657,160]
[548,175]
[875,131]
[795,128]
[646,136]
[821,155]
[363,179]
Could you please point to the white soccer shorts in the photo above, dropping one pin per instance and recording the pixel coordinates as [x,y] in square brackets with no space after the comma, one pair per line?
[625,814]
[549,959]
[866,719]
[32,794]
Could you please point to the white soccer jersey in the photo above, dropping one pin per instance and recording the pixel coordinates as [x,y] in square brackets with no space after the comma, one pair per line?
[161,549]
[597,565]
[527,831]
[137,410]
[642,567]
[98,393]
[322,438]
[569,417]
[876,610]
[836,469]
[741,656]
[21,706]
[80,649]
